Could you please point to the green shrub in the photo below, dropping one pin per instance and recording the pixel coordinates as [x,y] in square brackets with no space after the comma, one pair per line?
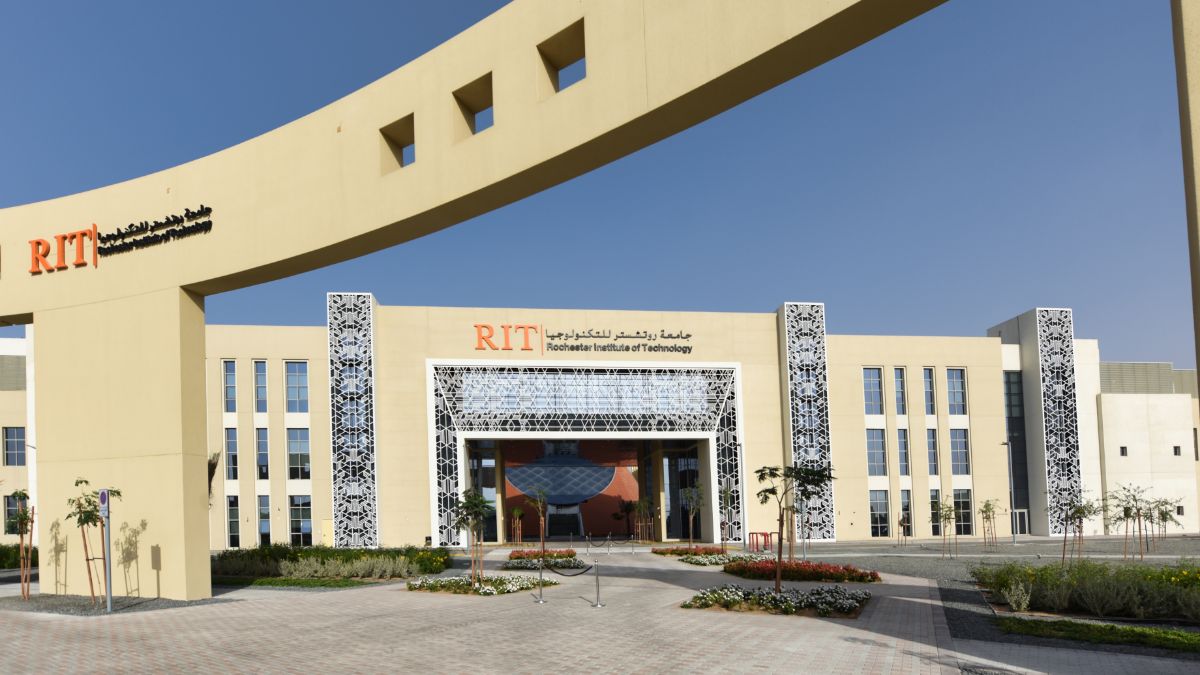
[1189,603]
[1165,638]
[10,557]
[1016,594]
[278,560]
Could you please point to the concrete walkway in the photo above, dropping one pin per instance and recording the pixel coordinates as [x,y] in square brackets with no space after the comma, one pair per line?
[642,629]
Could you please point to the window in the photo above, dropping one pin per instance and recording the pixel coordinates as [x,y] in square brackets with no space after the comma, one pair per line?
[876,453]
[1014,398]
[234,536]
[935,511]
[229,370]
[873,390]
[901,403]
[264,520]
[475,102]
[960,453]
[261,453]
[879,513]
[298,459]
[400,143]
[14,446]
[10,514]
[260,386]
[297,386]
[906,512]
[930,399]
[902,446]
[231,463]
[962,512]
[931,444]
[301,519]
[956,390]
[1179,510]
[1178,452]
[564,57]
[1124,451]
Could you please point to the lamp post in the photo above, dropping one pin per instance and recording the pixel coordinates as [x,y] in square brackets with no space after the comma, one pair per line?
[1012,494]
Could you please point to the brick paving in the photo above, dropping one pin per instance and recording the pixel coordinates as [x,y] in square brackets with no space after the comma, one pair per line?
[641,630]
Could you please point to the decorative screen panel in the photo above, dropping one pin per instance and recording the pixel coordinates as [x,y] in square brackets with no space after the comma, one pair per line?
[352,416]
[808,405]
[1060,415]
[570,399]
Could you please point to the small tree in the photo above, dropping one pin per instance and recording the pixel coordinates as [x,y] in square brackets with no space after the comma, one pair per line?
[1077,513]
[537,501]
[517,514]
[726,509]
[624,512]
[784,485]
[471,513]
[947,522]
[810,484]
[1164,514]
[1130,503]
[84,510]
[22,523]
[987,517]
[693,502]
[644,519]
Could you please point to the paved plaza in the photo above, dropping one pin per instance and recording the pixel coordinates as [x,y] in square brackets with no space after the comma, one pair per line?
[642,629]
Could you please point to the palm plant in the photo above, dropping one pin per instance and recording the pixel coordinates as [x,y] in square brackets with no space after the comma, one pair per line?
[537,500]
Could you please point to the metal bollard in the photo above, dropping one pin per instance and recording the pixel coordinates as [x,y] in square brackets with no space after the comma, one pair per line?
[610,545]
[598,604]
[541,568]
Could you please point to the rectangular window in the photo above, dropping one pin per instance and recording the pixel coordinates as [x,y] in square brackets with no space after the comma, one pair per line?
[1179,510]
[873,390]
[1178,452]
[297,386]
[935,511]
[229,375]
[261,453]
[260,386]
[879,513]
[902,447]
[234,535]
[876,453]
[960,453]
[298,458]
[10,514]
[14,446]
[231,462]
[962,512]
[932,446]
[264,520]
[956,390]
[930,399]
[906,512]
[300,516]
[901,397]
[1124,451]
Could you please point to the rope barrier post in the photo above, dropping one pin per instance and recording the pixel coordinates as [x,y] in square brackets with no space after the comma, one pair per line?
[598,604]
[541,567]
[610,544]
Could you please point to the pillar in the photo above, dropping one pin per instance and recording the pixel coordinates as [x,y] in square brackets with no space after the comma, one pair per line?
[120,402]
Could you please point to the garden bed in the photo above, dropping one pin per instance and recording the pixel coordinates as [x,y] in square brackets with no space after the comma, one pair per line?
[800,571]
[827,601]
[1104,633]
[536,563]
[711,559]
[688,550]
[537,554]
[1135,591]
[320,562]
[493,585]
[287,582]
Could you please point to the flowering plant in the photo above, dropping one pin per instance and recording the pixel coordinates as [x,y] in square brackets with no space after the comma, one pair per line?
[824,600]
[493,585]
[723,559]
[532,554]
[800,571]
[535,563]
[684,550]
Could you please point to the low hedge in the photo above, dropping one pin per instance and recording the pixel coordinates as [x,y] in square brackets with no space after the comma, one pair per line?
[685,550]
[550,554]
[1098,589]
[270,561]
[1163,638]
[10,557]
[800,571]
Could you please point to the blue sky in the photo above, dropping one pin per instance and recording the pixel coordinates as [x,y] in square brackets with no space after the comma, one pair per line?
[984,159]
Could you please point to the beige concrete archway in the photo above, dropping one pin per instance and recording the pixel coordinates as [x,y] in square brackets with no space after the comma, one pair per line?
[119,338]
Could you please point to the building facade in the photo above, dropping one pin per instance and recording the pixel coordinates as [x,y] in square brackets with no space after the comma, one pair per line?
[366,432]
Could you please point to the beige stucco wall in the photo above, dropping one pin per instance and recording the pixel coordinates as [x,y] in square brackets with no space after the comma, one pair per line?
[275,345]
[12,414]
[409,338]
[981,357]
[1150,425]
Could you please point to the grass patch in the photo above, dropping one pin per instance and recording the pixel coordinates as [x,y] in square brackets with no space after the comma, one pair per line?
[287,582]
[1163,638]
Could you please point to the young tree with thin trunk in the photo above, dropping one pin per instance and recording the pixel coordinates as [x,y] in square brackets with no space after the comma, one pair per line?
[693,502]
[726,507]
[947,520]
[84,510]
[537,501]
[22,523]
[784,485]
[517,535]
[471,514]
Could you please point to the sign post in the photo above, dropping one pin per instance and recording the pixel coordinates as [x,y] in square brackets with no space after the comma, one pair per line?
[107,547]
